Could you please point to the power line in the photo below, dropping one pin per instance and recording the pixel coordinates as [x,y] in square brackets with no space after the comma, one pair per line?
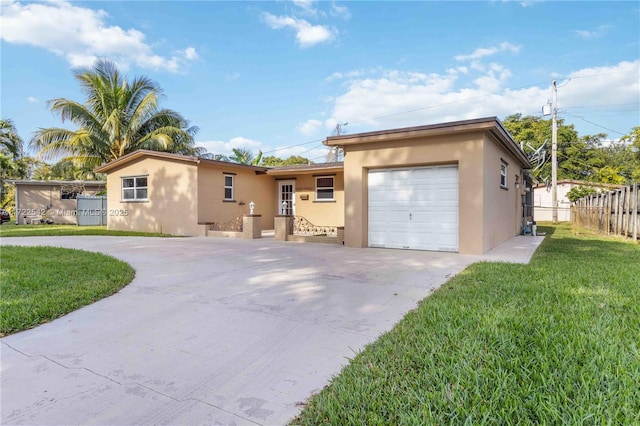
[573,77]
[595,124]
[601,105]
[293,146]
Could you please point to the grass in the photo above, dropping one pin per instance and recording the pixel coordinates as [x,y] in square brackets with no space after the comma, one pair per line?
[12,230]
[553,342]
[39,284]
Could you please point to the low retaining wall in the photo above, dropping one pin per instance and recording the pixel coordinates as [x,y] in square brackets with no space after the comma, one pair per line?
[312,239]
[225,234]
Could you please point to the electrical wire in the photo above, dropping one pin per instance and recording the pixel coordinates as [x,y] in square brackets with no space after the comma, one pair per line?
[293,146]
[595,124]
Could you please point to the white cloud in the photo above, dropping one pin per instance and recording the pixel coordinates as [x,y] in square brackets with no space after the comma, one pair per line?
[347,75]
[395,98]
[33,100]
[616,84]
[310,127]
[190,53]
[81,35]
[305,7]
[307,35]
[482,52]
[340,11]
[597,33]
[226,148]
[232,77]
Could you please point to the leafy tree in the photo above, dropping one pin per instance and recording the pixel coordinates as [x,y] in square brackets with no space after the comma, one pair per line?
[245,156]
[118,117]
[272,161]
[65,170]
[12,165]
[578,192]
[10,141]
[535,131]
[580,157]
[211,156]
[632,144]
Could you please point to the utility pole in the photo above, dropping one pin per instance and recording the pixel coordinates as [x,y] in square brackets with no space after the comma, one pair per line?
[554,154]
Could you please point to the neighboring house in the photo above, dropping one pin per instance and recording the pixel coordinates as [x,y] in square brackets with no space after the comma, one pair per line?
[543,207]
[51,199]
[456,186]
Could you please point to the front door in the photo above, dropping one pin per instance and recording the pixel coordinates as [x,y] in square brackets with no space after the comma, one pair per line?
[287,193]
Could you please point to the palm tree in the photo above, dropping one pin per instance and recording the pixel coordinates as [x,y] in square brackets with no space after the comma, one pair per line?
[245,156]
[118,117]
[10,142]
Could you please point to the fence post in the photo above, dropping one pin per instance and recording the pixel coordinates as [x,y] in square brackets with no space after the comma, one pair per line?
[609,212]
[634,214]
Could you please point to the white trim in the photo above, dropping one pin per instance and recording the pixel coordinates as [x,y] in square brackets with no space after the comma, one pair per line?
[231,187]
[292,208]
[504,172]
[134,188]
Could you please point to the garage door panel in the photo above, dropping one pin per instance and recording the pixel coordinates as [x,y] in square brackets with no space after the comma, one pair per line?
[414,208]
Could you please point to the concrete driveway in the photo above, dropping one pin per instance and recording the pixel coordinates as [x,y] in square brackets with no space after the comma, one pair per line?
[214,331]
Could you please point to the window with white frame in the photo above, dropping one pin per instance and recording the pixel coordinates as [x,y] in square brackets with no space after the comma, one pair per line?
[324,188]
[134,188]
[228,187]
[503,174]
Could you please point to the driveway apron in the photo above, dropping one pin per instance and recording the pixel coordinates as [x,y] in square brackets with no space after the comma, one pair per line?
[211,331]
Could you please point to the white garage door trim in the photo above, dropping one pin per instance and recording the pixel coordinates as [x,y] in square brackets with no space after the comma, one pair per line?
[414,208]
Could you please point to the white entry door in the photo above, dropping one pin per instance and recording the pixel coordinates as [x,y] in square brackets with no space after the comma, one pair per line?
[414,208]
[287,192]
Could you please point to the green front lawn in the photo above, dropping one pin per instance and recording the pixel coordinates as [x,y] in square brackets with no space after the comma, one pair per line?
[12,230]
[39,284]
[553,342]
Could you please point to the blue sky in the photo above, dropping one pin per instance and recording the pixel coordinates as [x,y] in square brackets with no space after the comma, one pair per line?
[273,75]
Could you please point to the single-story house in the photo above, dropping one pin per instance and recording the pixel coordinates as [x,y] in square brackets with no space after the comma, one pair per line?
[53,199]
[542,198]
[456,186]
[184,195]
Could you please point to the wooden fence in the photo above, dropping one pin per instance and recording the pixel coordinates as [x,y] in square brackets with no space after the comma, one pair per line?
[616,212]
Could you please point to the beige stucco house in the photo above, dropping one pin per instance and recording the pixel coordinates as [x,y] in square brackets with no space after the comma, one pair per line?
[542,198]
[52,199]
[456,186]
[183,195]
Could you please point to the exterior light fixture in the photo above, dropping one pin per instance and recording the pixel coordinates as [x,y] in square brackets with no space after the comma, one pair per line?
[252,206]
[517,181]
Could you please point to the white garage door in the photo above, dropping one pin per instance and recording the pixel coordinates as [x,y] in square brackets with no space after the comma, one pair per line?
[414,208]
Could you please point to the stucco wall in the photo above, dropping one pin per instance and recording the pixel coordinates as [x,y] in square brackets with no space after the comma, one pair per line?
[502,207]
[33,199]
[172,207]
[465,150]
[248,186]
[320,213]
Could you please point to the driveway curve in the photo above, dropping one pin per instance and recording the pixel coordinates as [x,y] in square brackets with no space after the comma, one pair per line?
[211,331]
